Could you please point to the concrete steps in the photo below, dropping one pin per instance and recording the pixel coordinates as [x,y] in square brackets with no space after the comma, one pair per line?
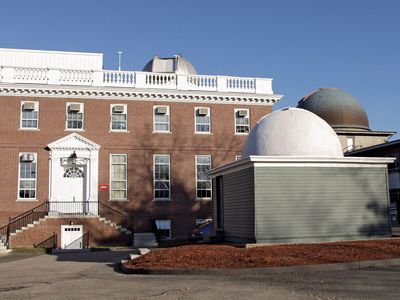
[23,235]
[3,246]
[144,240]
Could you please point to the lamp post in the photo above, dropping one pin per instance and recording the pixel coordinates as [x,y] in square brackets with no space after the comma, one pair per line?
[72,158]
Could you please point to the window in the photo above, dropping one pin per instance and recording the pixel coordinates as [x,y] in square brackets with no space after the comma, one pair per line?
[29,115]
[164,228]
[119,120]
[202,119]
[242,121]
[27,176]
[203,181]
[75,116]
[161,177]
[350,144]
[118,176]
[237,157]
[161,119]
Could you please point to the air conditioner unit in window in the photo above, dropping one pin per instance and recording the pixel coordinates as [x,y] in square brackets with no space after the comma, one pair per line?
[29,106]
[242,113]
[119,109]
[27,157]
[74,107]
[161,110]
[202,111]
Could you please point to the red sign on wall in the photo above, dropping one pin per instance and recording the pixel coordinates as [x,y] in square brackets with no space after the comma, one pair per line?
[103,186]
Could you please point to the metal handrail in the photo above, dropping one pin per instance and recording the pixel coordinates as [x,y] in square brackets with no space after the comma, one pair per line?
[77,207]
[114,215]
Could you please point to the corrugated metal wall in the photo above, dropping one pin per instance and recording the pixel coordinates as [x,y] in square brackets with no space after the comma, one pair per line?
[304,204]
[239,206]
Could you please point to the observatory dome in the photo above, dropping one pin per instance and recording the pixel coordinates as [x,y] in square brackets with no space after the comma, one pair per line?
[176,64]
[292,132]
[340,109]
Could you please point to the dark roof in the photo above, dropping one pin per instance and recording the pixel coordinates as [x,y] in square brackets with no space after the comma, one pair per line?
[338,108]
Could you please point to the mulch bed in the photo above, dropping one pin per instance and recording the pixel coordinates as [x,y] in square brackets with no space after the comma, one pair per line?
[232,257]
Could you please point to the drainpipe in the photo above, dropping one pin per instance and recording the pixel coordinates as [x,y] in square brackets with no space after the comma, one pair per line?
[50,172]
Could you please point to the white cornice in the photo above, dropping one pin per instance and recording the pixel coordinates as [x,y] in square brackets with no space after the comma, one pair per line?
[36,90]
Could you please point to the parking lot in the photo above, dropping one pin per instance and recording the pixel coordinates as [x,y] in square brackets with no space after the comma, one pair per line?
[91,275]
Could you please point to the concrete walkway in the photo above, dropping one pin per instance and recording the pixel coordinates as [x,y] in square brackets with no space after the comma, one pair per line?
[91,276]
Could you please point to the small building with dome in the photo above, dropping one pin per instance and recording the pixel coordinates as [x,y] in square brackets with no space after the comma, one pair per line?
[346,116]
[294,185]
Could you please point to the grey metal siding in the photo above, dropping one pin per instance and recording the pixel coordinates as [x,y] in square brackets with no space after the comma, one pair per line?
[304,204]
[239,206]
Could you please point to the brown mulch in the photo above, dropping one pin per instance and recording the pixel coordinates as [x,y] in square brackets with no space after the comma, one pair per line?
[232,257]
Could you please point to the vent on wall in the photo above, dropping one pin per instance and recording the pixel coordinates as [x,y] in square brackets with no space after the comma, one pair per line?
[27,157]
[29,106]
[74,107]
[202,111]
[242,113]
[161,110]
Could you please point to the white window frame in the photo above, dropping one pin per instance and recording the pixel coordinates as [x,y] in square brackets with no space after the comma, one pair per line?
[169,227]
[154,178]
[154,119]
[126,177]
[236,118]
[125,112]
[19,177]
[237,157]
[203,198]
[21,118]
[350,146]
[209,121]
[81,110]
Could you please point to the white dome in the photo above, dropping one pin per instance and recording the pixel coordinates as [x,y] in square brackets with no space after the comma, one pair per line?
[292,132]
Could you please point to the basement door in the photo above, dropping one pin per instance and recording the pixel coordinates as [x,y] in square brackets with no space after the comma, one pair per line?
[71,236]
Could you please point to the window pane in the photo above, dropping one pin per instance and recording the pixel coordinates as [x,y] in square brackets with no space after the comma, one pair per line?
[27,179]
[161,176]
[118,184]
[203,181]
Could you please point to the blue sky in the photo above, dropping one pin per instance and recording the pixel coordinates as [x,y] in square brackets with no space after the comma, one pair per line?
[350,44]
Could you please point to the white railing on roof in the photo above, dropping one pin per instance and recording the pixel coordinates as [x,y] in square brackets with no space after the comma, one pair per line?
[32,75]
[140,80]
[119,78]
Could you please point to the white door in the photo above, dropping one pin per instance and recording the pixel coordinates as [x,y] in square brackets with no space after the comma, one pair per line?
[74,190]
[71,236]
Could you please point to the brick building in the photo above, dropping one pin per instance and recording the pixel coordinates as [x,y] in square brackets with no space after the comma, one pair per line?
[87,147]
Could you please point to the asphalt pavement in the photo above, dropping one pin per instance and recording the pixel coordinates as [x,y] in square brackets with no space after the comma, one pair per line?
[91,275]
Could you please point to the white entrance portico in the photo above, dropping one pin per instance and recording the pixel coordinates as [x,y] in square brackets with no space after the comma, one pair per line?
[73,178]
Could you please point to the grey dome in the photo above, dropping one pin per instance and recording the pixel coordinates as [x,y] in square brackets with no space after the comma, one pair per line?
[292,132]
[176,64]
[338,108]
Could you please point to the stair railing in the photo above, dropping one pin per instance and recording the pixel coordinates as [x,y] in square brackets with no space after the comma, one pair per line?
[42,210]
[114,215]
[21,220]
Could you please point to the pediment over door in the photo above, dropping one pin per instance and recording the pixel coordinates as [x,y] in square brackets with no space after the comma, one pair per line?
[72,142]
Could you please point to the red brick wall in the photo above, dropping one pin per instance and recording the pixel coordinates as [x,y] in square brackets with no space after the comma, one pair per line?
[140,143]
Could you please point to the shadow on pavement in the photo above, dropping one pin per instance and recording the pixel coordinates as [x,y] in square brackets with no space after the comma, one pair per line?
[109,257]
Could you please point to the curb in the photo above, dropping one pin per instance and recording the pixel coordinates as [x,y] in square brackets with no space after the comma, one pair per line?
[261,271]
